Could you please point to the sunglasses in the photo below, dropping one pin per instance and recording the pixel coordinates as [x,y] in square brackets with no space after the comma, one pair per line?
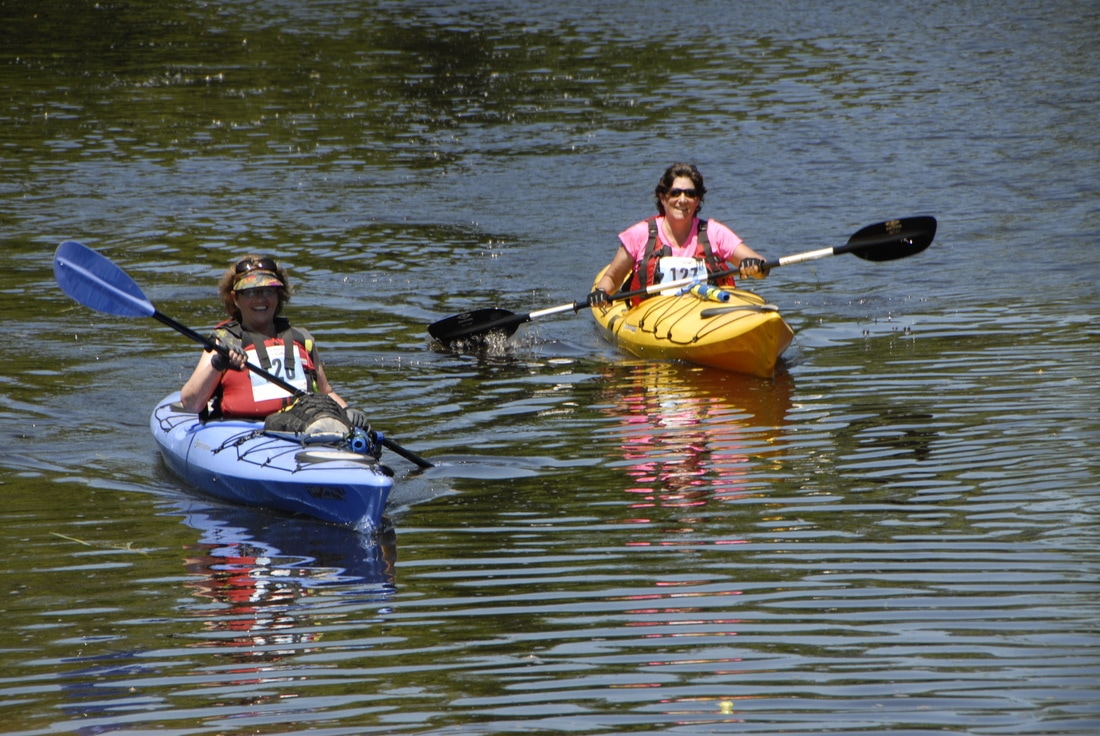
[689,193]
[260,291]
[259,264]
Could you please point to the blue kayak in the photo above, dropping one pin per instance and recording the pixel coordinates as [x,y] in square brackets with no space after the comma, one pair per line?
[235,460]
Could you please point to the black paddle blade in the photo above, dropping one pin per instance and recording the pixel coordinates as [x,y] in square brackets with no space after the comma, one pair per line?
[893,239]
[475,325]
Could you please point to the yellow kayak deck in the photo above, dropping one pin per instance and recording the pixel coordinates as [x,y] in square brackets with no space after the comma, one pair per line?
[744,334]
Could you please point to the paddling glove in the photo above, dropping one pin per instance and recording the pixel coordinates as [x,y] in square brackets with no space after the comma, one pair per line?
[598,298]
[752,268]
[221,363]
[357,418]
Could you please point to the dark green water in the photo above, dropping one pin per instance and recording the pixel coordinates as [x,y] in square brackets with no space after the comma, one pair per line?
[896,534]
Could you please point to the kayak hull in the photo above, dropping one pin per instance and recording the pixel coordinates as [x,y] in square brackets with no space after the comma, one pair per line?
[743,334]
[234,461]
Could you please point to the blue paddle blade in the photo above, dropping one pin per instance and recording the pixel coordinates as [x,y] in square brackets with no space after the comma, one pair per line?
[97,283]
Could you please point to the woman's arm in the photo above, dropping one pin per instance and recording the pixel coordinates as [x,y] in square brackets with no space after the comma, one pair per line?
[617,271]
[200,386]
[323,386]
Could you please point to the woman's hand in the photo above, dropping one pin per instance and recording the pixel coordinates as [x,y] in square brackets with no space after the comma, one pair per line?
[598,298]
[236,359]
[357,418]
[752,268]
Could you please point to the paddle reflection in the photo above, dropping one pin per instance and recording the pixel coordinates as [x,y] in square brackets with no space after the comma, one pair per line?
[267,575]
[691,436]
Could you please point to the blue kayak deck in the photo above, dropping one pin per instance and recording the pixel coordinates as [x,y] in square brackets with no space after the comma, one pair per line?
[234,460]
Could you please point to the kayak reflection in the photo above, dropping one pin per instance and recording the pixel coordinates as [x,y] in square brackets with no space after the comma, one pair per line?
[690,435]
[272,575]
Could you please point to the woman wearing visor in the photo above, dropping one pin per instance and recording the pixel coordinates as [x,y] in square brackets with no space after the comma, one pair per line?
[254,291]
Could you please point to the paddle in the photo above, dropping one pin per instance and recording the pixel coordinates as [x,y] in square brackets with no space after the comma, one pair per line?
[478,323]
[884,241]
[96,282]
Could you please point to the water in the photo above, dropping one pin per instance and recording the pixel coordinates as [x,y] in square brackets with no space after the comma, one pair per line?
[896,534]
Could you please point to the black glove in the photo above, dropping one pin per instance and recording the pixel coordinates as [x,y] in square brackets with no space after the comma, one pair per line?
[598,298]
[376,441]
[221,363]
[752,268]
[357,418]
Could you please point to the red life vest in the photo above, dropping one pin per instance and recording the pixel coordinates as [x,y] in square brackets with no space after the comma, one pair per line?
[245,395]
[647,267]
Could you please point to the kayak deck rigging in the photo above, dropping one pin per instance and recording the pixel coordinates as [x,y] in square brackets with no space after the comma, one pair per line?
[324,480]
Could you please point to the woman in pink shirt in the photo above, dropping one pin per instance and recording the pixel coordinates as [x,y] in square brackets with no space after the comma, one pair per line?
[671,240]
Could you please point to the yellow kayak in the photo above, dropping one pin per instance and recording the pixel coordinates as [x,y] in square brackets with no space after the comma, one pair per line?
[743,333]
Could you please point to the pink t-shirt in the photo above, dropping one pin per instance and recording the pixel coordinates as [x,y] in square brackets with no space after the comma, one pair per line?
[723,241]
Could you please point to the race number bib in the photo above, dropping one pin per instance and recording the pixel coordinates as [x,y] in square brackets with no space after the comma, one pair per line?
[294,374]
[678,268]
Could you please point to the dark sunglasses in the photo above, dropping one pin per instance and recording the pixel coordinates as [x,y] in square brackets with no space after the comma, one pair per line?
[258,292]
[689,193]
[258,264]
